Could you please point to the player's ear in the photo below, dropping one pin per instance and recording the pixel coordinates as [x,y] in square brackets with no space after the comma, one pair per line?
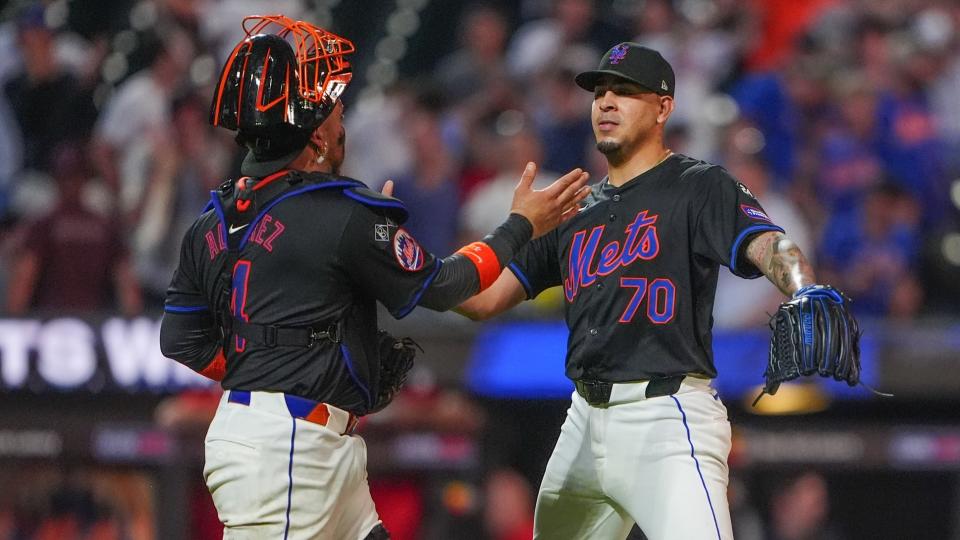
[666,109]
[318,141]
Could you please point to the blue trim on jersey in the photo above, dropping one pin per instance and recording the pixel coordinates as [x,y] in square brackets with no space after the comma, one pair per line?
[208,207]
[293,434]
[405,310]
[239,396]
[703,482]
[215,203]
[374,202]
[287,195]
[736,247]
[184,309]
[353,374]
[522,278]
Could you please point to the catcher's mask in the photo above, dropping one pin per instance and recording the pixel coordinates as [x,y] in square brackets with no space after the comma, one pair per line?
[274,93]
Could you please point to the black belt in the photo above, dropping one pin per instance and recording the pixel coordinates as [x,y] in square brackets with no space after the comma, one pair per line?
[597,393]
[284,336]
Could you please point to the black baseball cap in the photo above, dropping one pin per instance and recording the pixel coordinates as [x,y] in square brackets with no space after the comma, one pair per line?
[635,63]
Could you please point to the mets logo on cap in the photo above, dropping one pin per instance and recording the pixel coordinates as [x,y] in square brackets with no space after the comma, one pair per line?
[618,53]
[408,251]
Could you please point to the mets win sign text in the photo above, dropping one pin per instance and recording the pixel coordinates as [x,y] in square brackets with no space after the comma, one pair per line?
[78,354]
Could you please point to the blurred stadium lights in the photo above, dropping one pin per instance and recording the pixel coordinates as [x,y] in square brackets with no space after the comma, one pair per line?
[950,248]
[202,70]
[721,110]
[509,122]
[114,67]
[125,41]
[699,12]
[791,398]
[402,23]
[143,15]
[955,192]
[322,12]
[749,140]
[55,14]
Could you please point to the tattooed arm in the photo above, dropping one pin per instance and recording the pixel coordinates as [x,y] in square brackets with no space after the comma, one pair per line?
[781,261]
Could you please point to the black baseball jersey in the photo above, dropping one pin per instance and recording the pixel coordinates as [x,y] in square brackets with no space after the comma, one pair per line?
[320,253]
[639,267]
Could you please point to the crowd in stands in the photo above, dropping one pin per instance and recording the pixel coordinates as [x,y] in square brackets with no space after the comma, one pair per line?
[840,116]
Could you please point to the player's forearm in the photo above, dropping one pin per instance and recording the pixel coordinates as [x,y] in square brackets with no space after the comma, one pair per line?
[193,340]
[477,266]
[505,293]
[781,260]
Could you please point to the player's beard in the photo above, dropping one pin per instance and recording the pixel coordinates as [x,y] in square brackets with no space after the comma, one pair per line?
[613,151]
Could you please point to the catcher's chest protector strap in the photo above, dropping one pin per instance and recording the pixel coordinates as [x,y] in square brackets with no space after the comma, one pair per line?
[241,205]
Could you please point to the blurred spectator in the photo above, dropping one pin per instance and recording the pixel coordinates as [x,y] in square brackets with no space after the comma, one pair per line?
[536,44]
[47,101]
[703,53]
[801,510]
[747,303]
[561,112]
[375,122]
[139,109]
[480,59]
[482,210]
[850,164]
[871,253]
[509,506]
[220,20]
[184,166]
[429,188]
[785,106]
[68,259]
[909,145]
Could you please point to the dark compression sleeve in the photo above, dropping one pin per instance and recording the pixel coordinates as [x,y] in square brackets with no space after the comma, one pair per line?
[461,274]
[193,340]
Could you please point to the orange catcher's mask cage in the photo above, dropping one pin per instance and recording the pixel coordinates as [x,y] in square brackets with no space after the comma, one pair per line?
[320,53]
[284,75]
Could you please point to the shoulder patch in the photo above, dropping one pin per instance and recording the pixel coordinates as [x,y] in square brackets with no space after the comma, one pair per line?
[745,189]
[753,212]
[408,252]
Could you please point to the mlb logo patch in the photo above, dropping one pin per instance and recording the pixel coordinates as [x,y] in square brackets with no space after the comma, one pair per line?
[408,252]
[754,213]
[381,233]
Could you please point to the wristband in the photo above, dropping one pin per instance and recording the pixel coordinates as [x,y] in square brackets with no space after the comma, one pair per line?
[485,260]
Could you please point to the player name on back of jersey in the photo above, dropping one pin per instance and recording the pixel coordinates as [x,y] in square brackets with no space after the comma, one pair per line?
[265,232]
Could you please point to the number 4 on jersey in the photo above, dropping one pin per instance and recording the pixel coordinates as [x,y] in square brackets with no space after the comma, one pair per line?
[660,294]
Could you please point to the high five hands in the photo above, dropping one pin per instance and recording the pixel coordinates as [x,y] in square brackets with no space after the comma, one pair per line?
[546,208]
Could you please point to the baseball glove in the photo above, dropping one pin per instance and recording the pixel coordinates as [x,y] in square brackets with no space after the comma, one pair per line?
[396,360]
[814,333]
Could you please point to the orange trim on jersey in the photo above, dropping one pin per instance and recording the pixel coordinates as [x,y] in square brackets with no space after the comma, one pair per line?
[319,415]
[485,260]
[267,179]
[217,367]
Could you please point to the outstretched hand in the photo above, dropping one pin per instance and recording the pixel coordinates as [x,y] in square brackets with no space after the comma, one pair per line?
[546,208]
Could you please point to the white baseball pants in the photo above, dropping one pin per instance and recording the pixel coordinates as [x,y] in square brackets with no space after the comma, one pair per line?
[660,462]
[276,477]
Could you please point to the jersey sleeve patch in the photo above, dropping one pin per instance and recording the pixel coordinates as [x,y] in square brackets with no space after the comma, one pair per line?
[408,252]
[753,212]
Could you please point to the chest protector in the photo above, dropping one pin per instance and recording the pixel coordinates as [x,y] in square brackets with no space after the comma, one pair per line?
[239,206]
